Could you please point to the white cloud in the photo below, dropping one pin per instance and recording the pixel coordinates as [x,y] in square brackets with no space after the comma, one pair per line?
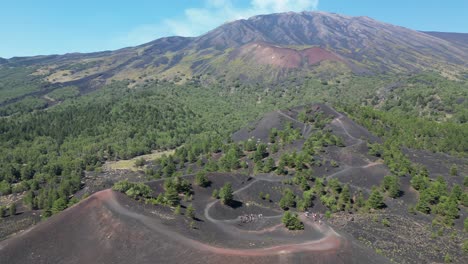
[196,21]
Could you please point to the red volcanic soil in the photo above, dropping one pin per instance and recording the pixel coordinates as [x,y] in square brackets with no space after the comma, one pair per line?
[267,54]
[103,230]
[316,55]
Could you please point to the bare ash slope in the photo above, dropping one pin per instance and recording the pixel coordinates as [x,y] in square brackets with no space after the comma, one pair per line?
[103,229]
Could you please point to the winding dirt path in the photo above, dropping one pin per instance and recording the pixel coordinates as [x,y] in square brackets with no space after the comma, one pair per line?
[369,165]
[306,128]
[337,121]
[331,240]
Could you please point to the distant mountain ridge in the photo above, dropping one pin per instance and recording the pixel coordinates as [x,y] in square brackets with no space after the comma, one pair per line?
[456,38]
[265,47]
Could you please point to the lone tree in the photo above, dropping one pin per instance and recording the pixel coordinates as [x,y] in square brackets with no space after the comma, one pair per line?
[226,194]
[201,179]
[375,199]
[291,221]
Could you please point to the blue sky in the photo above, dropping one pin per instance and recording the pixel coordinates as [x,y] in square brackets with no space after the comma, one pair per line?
[33,27]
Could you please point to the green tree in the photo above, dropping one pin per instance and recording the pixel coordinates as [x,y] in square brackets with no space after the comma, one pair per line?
[464,199]
[447,258]
[454,170]
[2,212]
[308,198]
[288,200]
[190,212]
[140,162]
[391,184]
[171,196]
[345,198]
[420,182]
[291,221]
[456,192]
[281,170]
[231,160]
[160,199]
[177,210]
[12,209]
[215,194]
[59,205]
[226,194]
[334,186]
[424,202]
[138,190]
[73,201]
[201,179]
[5,188]
[269,165]
[375,200]
[122,186]
[29,200]
[260,153]
[250,145]
[360,201]
[465,246]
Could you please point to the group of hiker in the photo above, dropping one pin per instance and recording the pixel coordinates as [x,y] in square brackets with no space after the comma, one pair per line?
[248,218]
[316,217]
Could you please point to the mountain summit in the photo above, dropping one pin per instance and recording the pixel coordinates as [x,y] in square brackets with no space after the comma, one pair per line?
[265,47]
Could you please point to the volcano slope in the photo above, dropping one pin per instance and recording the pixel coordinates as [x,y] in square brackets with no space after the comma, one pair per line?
[110,227]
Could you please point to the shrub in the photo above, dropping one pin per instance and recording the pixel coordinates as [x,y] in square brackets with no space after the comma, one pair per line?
[140,162]
[385,222]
